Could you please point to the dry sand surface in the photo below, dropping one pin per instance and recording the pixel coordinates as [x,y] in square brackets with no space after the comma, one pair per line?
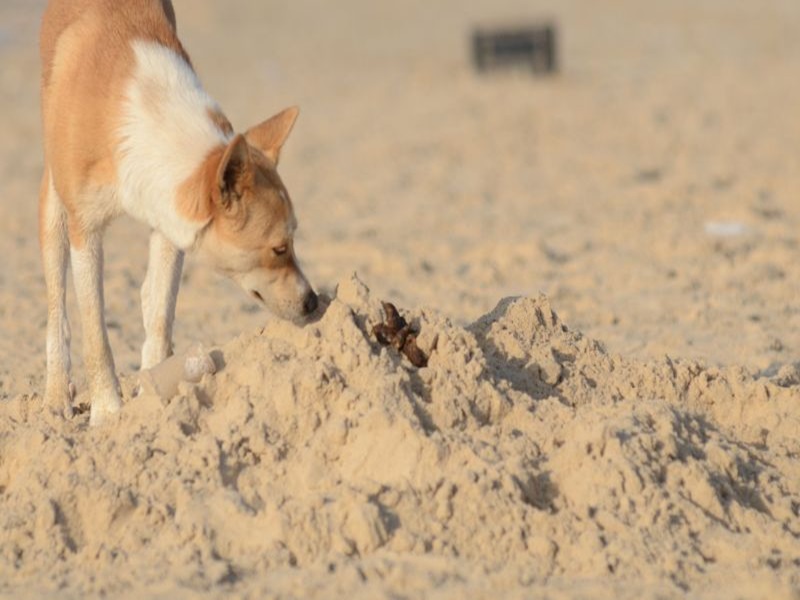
[647,197]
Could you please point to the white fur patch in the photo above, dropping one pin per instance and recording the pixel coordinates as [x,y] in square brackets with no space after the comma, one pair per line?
[166,133]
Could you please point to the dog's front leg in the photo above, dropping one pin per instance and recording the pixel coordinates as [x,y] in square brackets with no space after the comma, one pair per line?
[87,267]
[159,295]
[55,248]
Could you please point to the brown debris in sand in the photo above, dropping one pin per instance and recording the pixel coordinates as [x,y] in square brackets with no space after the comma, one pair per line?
[398,334]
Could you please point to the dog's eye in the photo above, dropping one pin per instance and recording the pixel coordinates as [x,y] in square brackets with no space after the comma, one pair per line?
[280,250]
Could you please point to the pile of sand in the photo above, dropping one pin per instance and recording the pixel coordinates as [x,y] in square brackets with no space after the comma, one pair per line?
[524,455]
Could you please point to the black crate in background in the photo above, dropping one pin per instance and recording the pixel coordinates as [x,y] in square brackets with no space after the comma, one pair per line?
[533,47]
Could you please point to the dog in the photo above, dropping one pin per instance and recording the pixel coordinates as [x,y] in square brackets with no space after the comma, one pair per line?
[128,128]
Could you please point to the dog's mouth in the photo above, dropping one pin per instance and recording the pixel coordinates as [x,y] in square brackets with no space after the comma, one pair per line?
[257,296]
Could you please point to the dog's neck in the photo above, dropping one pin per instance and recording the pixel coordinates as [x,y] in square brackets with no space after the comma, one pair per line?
[168,129]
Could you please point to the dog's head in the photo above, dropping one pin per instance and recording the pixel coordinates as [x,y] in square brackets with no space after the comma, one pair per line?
[250,236]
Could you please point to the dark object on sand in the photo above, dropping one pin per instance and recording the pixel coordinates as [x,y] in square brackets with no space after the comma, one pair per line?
[397,333]
[533,47]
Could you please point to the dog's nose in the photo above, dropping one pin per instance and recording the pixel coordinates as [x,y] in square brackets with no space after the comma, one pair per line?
[310,303]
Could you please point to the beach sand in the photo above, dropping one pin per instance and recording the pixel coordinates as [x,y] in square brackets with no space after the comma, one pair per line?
[604,267]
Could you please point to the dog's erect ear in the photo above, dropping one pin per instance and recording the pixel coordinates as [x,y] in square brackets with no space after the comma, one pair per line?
[270,135]
[235,171]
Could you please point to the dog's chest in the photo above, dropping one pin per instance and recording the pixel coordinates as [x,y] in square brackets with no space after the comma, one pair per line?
[165,135]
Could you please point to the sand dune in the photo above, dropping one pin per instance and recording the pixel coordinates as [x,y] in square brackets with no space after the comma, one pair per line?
[523,453]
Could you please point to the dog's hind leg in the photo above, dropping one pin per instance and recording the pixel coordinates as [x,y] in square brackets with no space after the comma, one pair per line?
[54,244]
[87,269]
[159,295]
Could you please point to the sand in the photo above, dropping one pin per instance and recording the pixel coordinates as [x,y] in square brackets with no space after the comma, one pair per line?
[318,462]
[603,268]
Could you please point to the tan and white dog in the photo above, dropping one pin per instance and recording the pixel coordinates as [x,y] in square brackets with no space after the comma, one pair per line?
[129,128]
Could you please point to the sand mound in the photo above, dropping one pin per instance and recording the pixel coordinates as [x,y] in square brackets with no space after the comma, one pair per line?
[523,454]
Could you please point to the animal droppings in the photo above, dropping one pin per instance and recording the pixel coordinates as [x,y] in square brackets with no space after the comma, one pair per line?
[397,333]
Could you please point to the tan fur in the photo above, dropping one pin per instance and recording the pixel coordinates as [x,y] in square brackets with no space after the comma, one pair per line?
[194,199]
[232,207]
[79,39]
[270,135]
[221,121]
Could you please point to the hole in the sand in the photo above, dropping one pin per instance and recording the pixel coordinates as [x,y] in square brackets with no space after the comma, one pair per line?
[774,563]
[219,359]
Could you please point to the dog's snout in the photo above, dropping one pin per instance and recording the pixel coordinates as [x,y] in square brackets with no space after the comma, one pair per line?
[310,303]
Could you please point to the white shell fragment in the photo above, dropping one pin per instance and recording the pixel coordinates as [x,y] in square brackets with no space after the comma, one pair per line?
[163,379]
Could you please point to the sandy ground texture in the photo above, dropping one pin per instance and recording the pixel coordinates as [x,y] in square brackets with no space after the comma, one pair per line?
[646,197]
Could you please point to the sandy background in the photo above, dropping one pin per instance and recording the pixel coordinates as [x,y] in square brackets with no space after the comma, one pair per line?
[526,459]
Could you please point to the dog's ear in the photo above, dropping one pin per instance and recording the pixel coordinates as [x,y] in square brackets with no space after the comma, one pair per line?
[235,171]
[270,135]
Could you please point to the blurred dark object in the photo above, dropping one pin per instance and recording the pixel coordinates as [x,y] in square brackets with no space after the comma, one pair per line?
[397,333]
[533,47]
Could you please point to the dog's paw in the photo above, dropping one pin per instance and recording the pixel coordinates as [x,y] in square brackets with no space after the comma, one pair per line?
[104,408]
[154,352]
[58,400]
